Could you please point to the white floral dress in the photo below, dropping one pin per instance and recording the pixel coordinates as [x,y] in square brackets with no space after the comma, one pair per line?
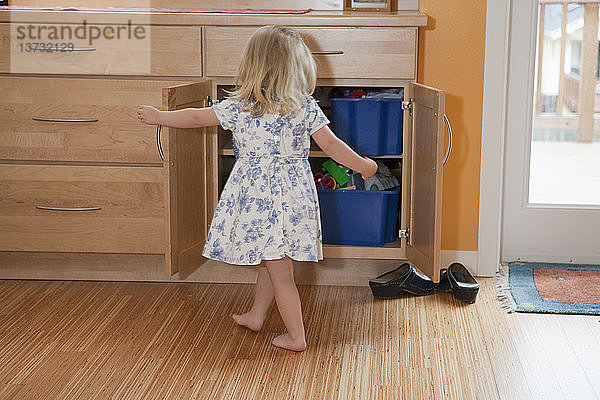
[269,206]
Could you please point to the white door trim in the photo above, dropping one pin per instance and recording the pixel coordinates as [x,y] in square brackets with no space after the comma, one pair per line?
[493,133]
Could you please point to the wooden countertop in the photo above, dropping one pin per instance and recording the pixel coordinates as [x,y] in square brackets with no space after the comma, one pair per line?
[312,18]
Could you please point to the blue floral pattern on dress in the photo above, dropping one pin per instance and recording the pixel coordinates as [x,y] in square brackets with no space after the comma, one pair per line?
[269,206]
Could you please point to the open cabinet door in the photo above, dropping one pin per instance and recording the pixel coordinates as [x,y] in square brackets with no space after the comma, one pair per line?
[190,171]
[425,174]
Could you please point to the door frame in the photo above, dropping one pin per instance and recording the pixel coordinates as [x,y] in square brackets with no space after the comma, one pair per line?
[493,135]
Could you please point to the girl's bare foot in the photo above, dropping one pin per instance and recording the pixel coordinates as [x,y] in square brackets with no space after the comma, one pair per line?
[285,341]
[249,320]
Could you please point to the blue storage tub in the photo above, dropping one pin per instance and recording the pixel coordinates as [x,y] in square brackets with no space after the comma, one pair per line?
[359,217]
[370,126]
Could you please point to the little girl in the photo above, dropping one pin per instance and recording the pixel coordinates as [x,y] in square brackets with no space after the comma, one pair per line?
[268,212]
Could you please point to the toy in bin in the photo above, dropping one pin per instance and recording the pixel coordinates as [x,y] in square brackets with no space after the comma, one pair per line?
[324,181]
[339,173]
[357,181]
[340,177]
[382,180]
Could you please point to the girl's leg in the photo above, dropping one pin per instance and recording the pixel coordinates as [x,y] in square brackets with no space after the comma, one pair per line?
[263,297]
[288,302]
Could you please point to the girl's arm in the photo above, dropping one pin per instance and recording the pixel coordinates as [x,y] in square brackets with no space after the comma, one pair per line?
[186,118]
[343,154]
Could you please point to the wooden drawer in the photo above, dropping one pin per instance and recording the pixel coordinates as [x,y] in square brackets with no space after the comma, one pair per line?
[161,51]
[339,52]
[113,133]
[126,216]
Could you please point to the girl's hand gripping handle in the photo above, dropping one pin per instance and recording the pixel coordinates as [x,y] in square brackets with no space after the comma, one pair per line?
[148,115]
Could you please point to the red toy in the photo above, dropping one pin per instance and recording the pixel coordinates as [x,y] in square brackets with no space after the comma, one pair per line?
[324,181]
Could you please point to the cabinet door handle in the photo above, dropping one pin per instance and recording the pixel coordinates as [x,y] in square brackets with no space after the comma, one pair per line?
[327,53]
[79,49]
[449,129]
[68,208]
[158,144]
[44,119]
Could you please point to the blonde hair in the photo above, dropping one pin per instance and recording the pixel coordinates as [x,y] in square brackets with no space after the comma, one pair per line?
[276,73]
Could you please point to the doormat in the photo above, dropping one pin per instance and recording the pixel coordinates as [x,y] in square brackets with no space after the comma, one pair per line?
[549,288]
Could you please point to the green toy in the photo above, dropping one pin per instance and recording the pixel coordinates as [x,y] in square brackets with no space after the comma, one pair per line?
[340,174]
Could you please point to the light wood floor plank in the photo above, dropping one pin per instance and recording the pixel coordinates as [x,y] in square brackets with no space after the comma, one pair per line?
[105,340]
[498,333]
[541,377]
[579,336]
[567,368]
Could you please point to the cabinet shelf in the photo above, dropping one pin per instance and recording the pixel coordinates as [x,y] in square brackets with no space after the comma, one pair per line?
[389,251]
[315,151]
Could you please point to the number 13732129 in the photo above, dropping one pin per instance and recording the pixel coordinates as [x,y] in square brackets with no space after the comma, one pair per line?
[33,47]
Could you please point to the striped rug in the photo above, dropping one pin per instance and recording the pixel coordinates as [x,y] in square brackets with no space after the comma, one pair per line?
[549,288]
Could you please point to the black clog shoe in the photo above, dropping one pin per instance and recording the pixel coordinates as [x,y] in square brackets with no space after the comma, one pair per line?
[444,284]
[405,278]
[458,279]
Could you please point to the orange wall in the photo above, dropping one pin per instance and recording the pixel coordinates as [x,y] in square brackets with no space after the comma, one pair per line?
[451,57]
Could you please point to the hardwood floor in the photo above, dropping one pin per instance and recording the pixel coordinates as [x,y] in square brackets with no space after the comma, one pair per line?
[124,340]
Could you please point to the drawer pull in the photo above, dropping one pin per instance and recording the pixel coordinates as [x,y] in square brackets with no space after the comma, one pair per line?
[328,53]
[79,49]
[68,208]
[158,144]
[64,120]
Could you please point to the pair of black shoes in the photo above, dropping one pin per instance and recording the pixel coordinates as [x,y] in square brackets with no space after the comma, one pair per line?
[456,278]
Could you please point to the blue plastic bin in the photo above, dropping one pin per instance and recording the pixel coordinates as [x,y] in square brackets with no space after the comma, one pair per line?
[370,126]
[359,217]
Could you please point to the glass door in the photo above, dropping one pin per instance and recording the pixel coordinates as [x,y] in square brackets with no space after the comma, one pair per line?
[565,141]
[552,161]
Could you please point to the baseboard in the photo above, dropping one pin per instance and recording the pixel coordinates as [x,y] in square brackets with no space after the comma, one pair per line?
[151,268]
[131,267]
[468,258]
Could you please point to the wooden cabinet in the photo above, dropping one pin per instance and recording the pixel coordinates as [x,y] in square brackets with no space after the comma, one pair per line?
[365,53]
[421,185]
[149,50]
[80,174]
[77,119]
[79,208]
[421,207]
[189,180]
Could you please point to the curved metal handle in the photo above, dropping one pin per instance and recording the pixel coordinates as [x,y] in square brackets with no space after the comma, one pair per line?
[328,53]
[68,208]
[449,129]
[79,49]
[158,144]
[44,119]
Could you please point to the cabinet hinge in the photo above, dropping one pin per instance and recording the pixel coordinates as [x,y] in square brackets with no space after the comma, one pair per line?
[408,105]
[404,234]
